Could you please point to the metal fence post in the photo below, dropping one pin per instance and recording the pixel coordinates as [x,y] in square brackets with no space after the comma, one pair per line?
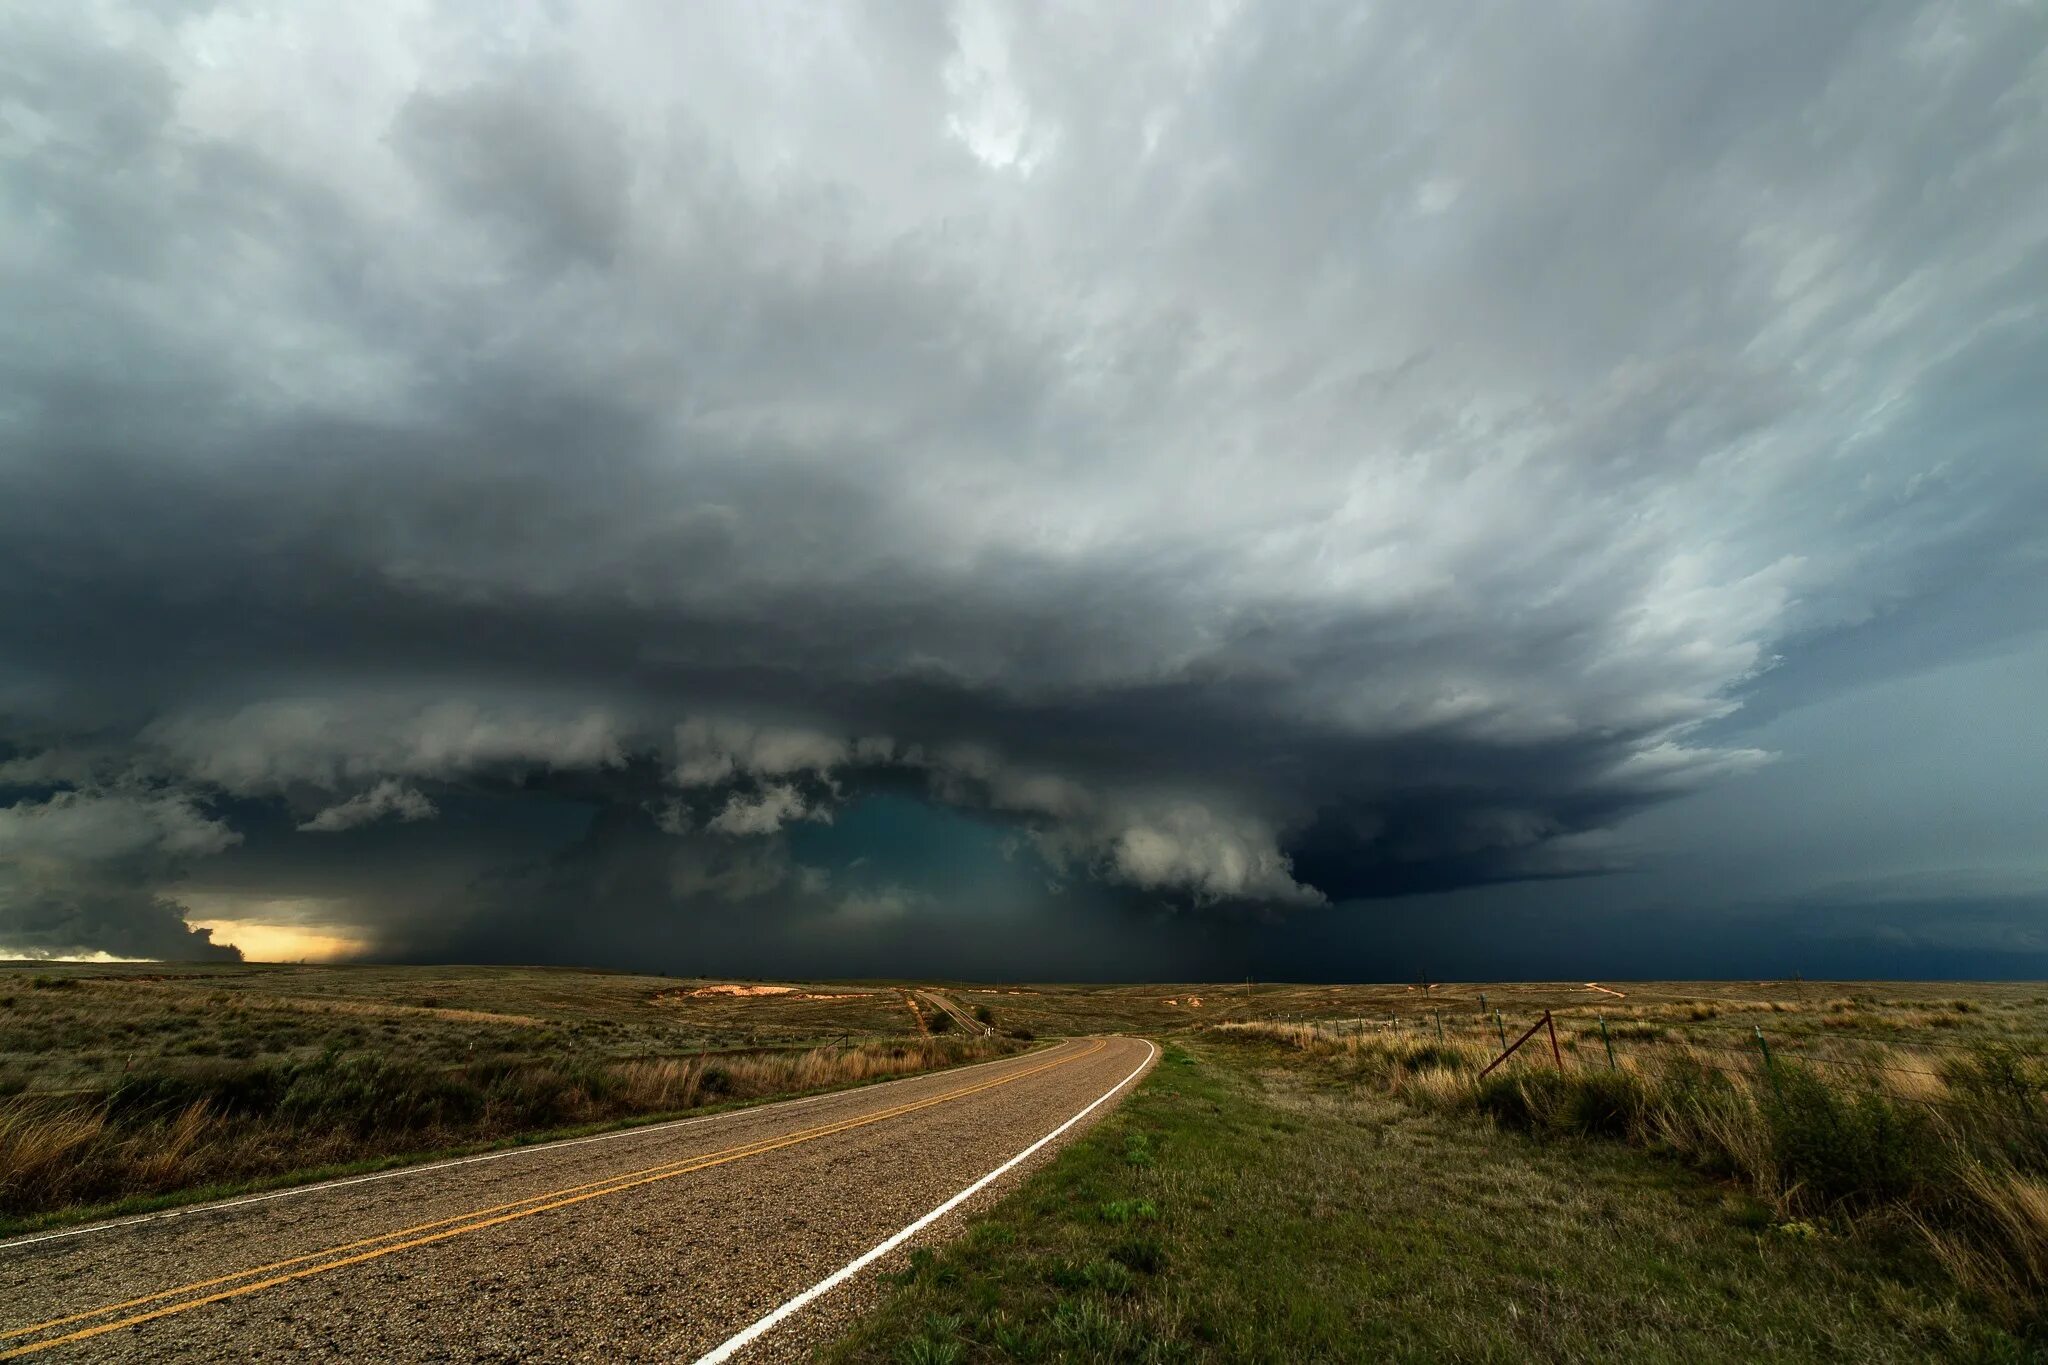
[1608,1041]
[1501,1029]
[1555,1055]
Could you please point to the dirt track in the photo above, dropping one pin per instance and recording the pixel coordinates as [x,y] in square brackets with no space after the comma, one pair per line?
[655,1244]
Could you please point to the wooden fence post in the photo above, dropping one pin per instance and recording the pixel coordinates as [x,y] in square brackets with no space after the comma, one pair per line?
[1509,1049]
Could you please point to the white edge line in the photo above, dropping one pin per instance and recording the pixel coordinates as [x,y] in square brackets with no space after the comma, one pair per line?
[745,1337]
[531,1149]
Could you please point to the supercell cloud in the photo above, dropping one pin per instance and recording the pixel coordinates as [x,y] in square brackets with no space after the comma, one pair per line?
[1288,456]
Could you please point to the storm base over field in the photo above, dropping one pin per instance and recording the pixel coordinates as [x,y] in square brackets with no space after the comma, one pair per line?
[1312,491]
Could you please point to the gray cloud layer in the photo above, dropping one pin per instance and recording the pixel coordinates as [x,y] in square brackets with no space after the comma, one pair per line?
[1300,454]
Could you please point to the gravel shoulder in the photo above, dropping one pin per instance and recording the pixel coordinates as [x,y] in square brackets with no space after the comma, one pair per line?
[653,1244]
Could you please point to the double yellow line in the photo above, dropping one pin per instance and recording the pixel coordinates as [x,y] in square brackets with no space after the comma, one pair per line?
[441,1229]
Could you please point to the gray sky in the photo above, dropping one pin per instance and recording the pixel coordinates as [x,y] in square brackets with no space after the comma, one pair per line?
[1025,488]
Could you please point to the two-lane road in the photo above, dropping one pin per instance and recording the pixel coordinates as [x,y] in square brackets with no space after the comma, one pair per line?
[743,1235]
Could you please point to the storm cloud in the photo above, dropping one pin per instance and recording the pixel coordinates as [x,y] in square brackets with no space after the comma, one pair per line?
[1294,456]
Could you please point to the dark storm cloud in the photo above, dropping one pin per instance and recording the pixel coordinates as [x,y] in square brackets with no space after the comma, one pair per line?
[78,871]
[1312,455]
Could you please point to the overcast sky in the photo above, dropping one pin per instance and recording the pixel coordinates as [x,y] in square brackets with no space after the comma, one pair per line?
[1312,490]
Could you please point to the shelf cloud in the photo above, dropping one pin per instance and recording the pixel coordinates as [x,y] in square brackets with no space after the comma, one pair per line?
[1302,455]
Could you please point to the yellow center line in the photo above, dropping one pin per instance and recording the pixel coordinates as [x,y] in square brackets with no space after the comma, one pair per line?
[820,1131]
[557,1199]
[743,1149]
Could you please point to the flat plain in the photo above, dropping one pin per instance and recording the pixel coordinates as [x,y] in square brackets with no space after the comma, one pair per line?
[1784,1170]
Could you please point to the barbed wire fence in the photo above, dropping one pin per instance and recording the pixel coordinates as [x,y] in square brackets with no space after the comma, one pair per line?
[1757,1060]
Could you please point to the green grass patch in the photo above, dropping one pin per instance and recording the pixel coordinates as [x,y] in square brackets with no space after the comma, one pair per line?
[1239,1206]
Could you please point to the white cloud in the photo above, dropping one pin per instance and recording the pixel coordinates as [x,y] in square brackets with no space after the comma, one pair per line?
[389,797]
[92,827]
[763,812]
[711,751]
[335,742]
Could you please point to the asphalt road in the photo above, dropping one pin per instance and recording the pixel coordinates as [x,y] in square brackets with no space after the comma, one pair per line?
[651,1244]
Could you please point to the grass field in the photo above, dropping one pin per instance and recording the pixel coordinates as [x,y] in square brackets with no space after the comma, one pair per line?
[1243,1207]
[1316,1172]
[122,1085]
[1334,1181]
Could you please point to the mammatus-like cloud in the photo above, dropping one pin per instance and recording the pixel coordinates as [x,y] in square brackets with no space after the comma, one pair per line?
[1310,455]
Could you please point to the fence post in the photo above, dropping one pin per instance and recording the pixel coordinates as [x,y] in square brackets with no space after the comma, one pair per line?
[1501,1029]
[1555,1055]
[1608,1041]
[1509,1049]
[1437,1018]
[1482,1003]
[1770,1067]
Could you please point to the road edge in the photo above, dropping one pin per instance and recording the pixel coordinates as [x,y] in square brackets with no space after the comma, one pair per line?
[760,1327]
[514,1147]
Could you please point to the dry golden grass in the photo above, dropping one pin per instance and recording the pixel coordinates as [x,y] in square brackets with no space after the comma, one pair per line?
[1856,1132]
[36,1141]
[166,1134]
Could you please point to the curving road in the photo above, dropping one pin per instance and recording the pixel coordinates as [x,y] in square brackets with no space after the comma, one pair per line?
[748,1235]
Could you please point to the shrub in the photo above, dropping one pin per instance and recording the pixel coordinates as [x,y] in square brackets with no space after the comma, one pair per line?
[1853,1149]
[1604,1104]
[1519,1100]
[1422,1056]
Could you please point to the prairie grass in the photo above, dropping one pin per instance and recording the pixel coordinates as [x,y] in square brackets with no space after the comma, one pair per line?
[227,1122]
[1950,1146]
[1249,1202]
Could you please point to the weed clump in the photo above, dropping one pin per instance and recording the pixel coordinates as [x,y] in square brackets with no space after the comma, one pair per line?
[1848,1150]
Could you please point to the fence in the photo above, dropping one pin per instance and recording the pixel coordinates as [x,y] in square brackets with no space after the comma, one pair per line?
[1761,1056]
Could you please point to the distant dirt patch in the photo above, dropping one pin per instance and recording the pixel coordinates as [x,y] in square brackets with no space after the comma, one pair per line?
[737,992]
[1596,986]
